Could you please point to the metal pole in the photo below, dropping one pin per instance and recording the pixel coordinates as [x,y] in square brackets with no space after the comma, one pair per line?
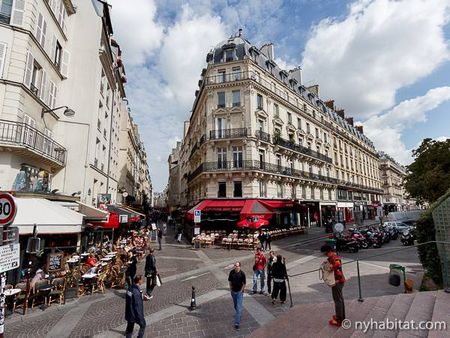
[2,303]
[360,299]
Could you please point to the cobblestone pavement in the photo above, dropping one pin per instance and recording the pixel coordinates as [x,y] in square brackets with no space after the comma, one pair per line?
[167,314]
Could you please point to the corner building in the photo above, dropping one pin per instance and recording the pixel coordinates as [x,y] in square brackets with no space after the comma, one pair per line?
[256,133]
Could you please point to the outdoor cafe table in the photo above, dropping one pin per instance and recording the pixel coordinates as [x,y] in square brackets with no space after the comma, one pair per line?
[45,290]
[12,292]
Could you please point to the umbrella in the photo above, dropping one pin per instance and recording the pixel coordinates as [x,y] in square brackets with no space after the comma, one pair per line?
[253,223]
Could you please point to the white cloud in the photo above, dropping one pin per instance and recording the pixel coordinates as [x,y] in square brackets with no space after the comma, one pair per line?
[380,47]
[161,90]
[385,130]
[184,52]
[135,28]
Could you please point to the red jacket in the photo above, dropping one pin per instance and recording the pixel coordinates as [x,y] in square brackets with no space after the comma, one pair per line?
[260,261]
[91,262]
[336,265]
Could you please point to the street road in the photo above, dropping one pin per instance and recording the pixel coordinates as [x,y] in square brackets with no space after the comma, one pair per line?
[181,267]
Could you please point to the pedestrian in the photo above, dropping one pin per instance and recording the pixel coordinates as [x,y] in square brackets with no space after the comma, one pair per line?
[279,276]
[237,282]
[150,274]
[335,265]
[131,268]
[159,234]
[262,239]
[258,270]
[272,259]
[134,308]
[268,241]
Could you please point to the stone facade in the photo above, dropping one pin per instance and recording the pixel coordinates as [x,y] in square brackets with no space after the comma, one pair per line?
[257,132]
[56,54]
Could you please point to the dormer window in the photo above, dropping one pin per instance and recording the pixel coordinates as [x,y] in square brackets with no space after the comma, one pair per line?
[229,55]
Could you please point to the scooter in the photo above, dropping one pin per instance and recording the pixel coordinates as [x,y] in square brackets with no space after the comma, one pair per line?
[346,243]
[408,237]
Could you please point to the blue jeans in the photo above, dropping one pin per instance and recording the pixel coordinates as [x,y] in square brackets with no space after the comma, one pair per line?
[256,274]
[238,297]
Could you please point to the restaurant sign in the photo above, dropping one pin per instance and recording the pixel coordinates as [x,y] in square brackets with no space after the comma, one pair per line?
[9,257]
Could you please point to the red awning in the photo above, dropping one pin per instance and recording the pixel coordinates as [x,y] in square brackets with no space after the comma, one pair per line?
[255,208]
[277,204]
[112,222]
[198,206]
[224,205]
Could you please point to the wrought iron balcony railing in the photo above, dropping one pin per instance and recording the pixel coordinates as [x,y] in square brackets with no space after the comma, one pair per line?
[24,136]
[300,149]
[263,136]
[227,133]
[258,166]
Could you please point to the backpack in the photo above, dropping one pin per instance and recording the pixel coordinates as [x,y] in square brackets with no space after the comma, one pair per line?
[326,274]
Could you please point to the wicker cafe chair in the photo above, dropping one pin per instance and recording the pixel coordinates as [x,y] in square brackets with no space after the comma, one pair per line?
[100,284]
[58,291]
[38,295]
[21,300]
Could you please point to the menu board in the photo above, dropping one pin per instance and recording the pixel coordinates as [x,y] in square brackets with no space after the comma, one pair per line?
[55,262]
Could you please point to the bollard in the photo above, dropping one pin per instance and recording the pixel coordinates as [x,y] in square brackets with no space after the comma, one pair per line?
[193,301]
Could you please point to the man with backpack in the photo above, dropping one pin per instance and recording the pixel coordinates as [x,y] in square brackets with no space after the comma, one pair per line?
[334,265]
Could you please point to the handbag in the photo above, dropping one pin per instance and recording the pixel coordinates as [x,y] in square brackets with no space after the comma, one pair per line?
[326,274]
[254,267]
[158,280]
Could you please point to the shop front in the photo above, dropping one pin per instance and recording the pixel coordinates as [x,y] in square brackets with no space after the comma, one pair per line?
[328,211]
[345,212]
[58,227]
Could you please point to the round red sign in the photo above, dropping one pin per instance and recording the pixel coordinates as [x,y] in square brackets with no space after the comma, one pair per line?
[8,209]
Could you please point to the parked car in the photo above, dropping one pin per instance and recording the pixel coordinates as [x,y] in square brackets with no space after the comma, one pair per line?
[400,226]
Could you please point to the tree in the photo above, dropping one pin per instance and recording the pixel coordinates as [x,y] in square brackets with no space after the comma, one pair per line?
[429,174]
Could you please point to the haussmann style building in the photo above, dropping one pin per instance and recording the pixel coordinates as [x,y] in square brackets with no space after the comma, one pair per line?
[259,142]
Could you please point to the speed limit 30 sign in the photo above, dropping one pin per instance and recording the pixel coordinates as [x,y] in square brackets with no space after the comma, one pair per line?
[8,209]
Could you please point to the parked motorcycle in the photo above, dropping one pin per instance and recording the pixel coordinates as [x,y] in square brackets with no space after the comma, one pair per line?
[346,243]
[356,235]
[408,237]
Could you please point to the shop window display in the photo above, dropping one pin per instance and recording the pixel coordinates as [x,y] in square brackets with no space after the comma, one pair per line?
[32,179]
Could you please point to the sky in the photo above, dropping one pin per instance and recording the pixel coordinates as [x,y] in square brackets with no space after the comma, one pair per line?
[386,63]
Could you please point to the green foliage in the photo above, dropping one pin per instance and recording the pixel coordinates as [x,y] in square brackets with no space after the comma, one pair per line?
[425,232]
[429,174]
[428,253]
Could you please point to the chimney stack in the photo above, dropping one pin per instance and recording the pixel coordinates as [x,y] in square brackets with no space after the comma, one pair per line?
[330,104]
[314,89]
[341,113]
[349,120]
[268,51]
[360,129]
[296,74]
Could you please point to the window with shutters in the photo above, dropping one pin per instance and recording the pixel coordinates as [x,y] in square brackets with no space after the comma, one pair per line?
[48,144]
[17,11]
[29,131]
[3,47]
[41,30]
[64,67]
[52,95]
[5,11]
[57,55]
[36,78]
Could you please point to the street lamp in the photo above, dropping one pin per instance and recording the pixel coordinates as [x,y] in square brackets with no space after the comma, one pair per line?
[67,112]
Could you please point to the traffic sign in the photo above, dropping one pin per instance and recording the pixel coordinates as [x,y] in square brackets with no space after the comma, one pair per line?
[197,216]
[8,209]
[9,257]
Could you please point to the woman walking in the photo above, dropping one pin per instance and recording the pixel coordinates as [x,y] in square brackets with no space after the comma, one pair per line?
[279,276]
